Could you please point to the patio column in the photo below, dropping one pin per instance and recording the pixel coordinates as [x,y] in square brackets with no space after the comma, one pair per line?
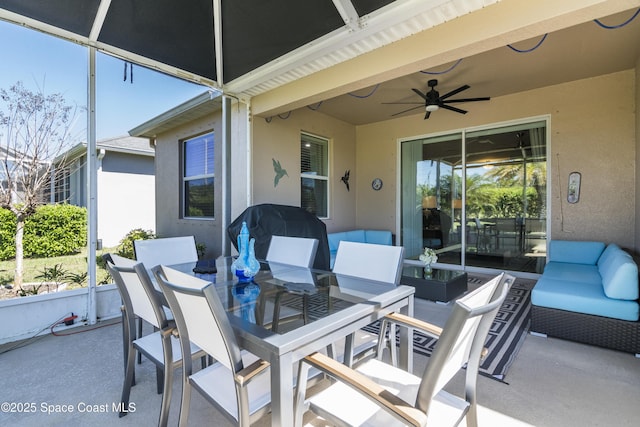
[92,187]
[226,173]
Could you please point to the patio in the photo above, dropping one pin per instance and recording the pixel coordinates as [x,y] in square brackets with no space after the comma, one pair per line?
[551,383]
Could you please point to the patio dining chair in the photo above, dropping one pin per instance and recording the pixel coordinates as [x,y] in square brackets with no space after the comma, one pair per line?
[379,263]
[168,250]
[287,251]
[298,251]
[377,393]
[141,300]
[238,383]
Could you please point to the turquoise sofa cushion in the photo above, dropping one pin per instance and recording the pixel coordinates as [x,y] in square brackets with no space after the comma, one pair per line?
[379,237]
[359,236]
[573,272]
[610,251]
[334,240]
[575,252]
[588,298]
[619,275]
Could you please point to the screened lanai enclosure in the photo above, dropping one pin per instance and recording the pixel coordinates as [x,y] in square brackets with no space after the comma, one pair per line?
[478,196]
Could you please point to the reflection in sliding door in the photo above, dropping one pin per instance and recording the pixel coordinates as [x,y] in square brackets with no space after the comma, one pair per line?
[506,197]
[503,224]
[431,197]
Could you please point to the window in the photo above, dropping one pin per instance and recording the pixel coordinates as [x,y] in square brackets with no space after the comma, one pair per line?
[314,174]
[62,185]
[198,177]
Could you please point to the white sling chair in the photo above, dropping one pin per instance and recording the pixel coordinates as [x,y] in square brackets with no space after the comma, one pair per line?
[238,383]
[285,251]
[379,263]
[379,394]
[167,251]
[140,299]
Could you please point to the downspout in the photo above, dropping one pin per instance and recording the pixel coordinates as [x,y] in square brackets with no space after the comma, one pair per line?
[226,174]
[92,187]
[101,155]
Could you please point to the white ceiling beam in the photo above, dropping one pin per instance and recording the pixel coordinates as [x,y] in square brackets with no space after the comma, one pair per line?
[217,34]
[348,13]
[98,22]
[105,48]
[42,27]
[328,44]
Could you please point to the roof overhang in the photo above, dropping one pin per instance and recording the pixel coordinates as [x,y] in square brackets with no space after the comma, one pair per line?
[200,106]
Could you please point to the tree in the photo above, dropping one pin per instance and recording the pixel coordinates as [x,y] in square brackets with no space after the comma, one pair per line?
[34,129]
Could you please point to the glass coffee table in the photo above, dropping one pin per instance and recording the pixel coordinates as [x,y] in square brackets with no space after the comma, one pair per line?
[439,285]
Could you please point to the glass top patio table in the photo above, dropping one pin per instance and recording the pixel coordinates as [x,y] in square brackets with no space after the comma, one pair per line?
[337,306]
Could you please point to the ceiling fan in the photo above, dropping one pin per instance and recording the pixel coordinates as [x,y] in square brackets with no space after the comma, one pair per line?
[433,101]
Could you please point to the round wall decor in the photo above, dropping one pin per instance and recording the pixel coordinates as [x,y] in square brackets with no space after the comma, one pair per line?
[376,184]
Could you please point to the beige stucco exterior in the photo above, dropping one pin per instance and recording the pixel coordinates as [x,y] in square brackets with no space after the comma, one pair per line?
[592,130]
[169,195]
[278,138]
[594,135]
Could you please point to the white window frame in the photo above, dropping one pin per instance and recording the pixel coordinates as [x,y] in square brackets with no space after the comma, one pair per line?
[324,178]
[184,179]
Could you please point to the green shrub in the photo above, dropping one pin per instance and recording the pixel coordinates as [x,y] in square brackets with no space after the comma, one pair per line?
[125,247]
[7,234]
[55,230]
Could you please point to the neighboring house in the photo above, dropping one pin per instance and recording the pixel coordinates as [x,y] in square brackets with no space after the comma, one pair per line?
[125,183]
[9,160]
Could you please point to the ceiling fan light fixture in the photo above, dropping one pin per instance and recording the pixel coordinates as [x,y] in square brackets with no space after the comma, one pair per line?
[432,107]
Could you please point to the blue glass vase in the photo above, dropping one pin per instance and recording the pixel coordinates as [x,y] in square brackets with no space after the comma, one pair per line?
[246,266]
[246,293]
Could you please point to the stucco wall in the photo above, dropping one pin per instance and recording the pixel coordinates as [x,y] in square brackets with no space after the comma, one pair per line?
[592,131]
[126,196]
[280,139]
[168,199]
[637,83]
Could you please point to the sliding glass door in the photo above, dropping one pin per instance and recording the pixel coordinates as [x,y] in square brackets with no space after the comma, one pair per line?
[478,197]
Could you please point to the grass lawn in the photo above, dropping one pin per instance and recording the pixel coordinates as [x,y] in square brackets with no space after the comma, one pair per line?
[34,267]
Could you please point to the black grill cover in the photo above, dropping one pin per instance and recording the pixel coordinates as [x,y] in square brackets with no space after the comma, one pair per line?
[266,220]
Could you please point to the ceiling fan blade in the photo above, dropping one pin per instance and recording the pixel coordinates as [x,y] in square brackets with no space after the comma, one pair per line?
[485,98]
[404,111]
[426,116]
[422,95]
[457,110]
[455,91]
[400,103]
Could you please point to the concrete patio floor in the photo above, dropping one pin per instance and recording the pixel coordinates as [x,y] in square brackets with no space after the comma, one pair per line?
[551,383]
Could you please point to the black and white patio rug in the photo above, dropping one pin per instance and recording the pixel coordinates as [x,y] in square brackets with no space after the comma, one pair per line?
[508,331]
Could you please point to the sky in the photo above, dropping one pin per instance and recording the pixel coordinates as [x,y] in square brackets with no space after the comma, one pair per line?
[52,65]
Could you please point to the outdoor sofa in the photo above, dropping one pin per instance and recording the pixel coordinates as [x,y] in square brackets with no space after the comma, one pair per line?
[588,293]
[380,237]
